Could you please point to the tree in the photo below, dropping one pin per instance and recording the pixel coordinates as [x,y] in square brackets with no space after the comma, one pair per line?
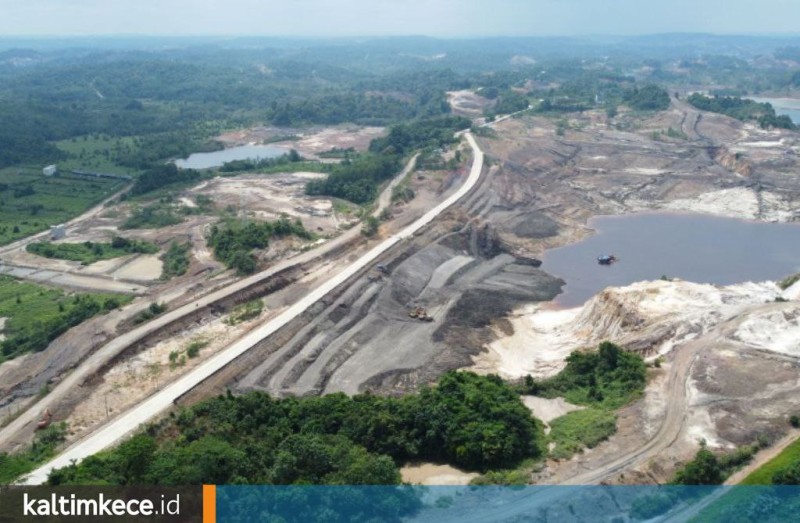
[704,469]
[370,226]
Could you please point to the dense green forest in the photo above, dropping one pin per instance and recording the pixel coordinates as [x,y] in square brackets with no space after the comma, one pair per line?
[473,422]
[742,109]
[358,179]
[167,102]
[162,176]
[233,241]
[609,377]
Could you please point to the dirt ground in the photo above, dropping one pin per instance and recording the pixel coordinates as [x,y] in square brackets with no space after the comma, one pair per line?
[467,103]
[309,142]
[431,474]
[729,369]
[256,197]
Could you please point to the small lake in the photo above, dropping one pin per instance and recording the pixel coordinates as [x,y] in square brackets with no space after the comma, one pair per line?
[218,158]
[787,106]
[692,247]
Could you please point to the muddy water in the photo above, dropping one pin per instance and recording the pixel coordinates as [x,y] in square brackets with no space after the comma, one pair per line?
[217,158]
[693,247]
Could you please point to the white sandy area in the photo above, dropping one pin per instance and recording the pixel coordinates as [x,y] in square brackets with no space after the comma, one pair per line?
[762,144]
[306,175]
[776,330]
[793,292]
[645,170]
[104,266]
[668,312]
[699,425]
[738,202]
[142,268]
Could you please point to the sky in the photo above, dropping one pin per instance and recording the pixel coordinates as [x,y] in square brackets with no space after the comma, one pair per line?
[441,18]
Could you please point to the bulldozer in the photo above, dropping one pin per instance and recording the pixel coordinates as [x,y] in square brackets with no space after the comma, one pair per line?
[419,313]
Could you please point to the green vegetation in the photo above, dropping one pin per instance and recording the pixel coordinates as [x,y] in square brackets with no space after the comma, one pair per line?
[519,475]
[780,467]
[742,109]
[193,349]
[402,193]
[474,422]
[233,241]
[789,281]
[154,216]
[609,378]
[432,132]
[37,315]
[31,202]
[675,134]
[175,260]
[604,381]
[370,226]
[580,429]
[166,175]
[267,164]
[647,98]
[507,102]
[708,468]
[12,466]
[90,252]
[246,311]
[100,153]
[358,179]
[153,310]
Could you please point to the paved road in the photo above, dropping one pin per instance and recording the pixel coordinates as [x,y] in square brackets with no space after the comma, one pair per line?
[26,420]
[162,400]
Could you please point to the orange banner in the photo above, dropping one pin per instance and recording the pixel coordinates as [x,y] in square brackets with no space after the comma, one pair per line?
[209,504]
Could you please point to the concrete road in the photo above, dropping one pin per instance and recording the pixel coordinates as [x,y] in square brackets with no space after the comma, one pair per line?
[27,420]
[162,400]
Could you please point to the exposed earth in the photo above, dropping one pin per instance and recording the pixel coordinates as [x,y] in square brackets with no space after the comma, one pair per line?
[730,356]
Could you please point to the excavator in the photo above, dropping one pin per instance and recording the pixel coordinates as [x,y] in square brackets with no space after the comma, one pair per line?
[419,313]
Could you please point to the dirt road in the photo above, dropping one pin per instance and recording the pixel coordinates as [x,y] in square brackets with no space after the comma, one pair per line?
[672,423]
[159,402]
[26,421]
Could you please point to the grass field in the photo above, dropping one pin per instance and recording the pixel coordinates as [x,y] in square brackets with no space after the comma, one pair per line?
[97,153]
[33,312]
[763,475]
[580,429]
[31,202]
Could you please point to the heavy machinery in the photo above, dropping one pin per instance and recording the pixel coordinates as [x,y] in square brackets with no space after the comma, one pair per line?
[419,313]
[606,259]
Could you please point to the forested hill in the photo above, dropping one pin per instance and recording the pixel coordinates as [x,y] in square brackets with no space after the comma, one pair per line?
[473,422]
